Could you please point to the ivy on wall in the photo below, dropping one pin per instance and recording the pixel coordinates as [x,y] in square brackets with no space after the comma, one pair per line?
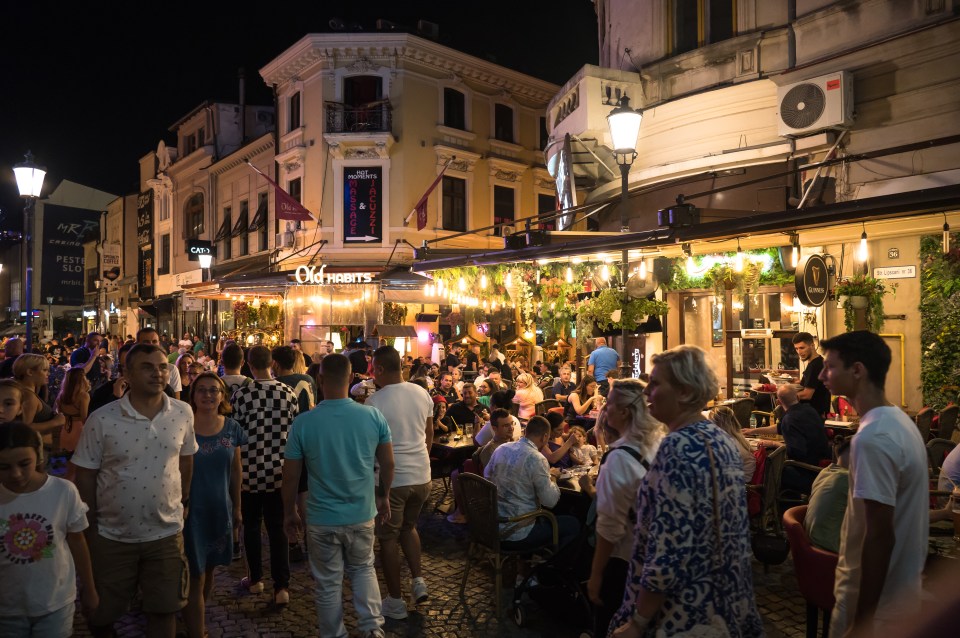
[939,321]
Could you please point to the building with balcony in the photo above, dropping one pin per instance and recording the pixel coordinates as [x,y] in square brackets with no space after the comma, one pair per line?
[809,123]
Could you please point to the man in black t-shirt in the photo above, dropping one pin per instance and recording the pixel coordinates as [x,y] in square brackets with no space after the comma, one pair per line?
[473,360]
[813,390]
[453,359]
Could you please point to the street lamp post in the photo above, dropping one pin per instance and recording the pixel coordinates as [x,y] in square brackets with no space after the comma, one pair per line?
[624,123]
[29,182]
[206,260]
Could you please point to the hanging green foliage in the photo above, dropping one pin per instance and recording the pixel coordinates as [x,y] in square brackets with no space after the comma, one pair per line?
[761,268]
[394,314]
[872,290]
[939,321]
[601,310]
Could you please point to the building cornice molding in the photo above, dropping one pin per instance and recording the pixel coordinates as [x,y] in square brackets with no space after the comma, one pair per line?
[242,155]
[379,49]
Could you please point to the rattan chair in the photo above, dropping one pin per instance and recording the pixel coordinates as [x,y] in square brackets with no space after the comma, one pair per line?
[483,525]
[924,420]
[937,450]
[769,491]
[948,422]
[743,408]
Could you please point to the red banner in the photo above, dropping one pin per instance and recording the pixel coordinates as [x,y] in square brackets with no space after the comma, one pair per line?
[421,206]
[287,207]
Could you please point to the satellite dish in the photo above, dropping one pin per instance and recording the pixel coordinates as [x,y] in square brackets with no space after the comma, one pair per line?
[638,288]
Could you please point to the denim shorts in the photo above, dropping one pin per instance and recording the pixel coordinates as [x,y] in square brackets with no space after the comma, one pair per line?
[56,624]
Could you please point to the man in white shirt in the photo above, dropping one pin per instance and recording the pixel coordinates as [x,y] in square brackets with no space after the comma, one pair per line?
[134,466]
[524,483]
[408,409]
[883,541]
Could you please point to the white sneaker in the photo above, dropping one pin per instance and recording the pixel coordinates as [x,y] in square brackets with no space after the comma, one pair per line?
[419,587]
[394,608]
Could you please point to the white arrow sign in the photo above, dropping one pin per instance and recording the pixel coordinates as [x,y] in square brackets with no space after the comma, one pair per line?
[364,238]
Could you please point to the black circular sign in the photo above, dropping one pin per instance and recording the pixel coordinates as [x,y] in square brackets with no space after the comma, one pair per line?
[812,280]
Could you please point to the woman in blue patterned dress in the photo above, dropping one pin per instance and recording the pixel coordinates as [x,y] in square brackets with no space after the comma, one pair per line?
[679,577]
[214,509]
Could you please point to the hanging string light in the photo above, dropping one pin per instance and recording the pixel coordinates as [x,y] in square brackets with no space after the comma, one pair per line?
[862,253]
[794,250]
[483,281]
[569,275]
[462,284]
[643,269]
[508,282]
[688,251]
[738,264]
[605,272]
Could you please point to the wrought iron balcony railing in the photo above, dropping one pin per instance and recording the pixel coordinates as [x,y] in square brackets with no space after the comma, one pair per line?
[374,117]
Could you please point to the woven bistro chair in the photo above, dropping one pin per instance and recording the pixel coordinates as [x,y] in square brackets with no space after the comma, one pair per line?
[924,420]
[743,408]
[948,422]
[483,526]
[544,406]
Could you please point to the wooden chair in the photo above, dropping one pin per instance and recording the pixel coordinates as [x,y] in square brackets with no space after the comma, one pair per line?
[769,418]
[742,408]
[483,526]
[924,420]
[948,422]
[815,569]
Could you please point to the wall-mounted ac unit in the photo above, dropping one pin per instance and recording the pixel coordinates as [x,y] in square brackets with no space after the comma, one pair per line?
[816,104]
[284,240]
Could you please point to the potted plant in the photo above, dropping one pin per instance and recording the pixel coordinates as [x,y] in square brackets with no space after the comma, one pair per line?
[611,311]
[863,292]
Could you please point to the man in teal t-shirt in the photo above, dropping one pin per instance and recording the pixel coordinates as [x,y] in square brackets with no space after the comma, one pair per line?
[337,444]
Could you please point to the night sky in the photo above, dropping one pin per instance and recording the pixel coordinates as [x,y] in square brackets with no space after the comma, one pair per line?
[91,88]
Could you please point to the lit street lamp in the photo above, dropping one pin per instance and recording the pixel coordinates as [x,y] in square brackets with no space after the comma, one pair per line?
[624,123]
[29,182]
[206,260]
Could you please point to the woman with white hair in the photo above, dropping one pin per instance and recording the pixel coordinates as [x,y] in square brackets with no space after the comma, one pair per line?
[691,563]
[636,436]
[528,395]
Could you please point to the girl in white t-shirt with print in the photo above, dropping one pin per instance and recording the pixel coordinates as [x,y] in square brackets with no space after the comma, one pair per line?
[42,547]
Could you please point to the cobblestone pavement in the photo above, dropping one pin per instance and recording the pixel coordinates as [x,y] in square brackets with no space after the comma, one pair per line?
[234,613]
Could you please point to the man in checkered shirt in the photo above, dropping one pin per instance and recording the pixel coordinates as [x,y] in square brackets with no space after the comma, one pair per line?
[265,409]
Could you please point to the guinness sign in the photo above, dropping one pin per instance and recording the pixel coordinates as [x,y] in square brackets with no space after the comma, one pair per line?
[812,280]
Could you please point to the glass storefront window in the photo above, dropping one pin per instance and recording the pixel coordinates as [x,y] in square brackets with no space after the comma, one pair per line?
[338,313]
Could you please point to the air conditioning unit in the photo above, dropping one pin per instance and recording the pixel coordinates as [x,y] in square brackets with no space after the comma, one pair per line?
[284,240]
[816,104]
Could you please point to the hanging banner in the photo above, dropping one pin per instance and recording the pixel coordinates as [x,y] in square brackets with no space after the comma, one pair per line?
[65,229]
[362,210]
[145,244]
[111,262]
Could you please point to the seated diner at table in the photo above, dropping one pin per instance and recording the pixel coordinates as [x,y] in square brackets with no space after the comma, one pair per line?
[527,395]
[582,453]
[504,400]
[557,448]
[726,420]
[584,398]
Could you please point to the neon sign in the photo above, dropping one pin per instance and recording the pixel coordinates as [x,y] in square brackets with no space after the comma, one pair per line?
[313,276]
